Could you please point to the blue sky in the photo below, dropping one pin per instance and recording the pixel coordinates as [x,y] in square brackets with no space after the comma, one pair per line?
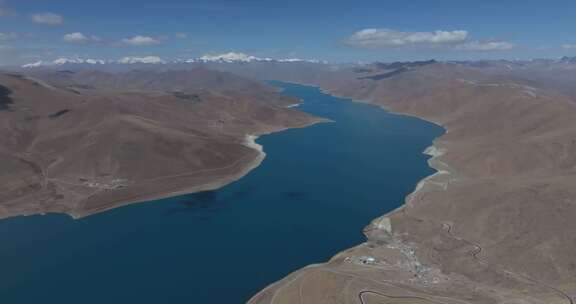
[328,30]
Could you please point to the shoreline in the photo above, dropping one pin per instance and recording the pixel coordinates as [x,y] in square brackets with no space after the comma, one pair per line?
[248,141]
[383,222]
[436,179]
[76,215]
[434,162]
[434,151]
[417,241]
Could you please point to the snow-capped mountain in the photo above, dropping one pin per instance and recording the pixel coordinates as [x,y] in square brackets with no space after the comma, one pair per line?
[146,60]
[231,57]
[63,61]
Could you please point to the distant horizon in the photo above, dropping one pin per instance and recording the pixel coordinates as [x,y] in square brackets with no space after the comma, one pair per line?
[160,60]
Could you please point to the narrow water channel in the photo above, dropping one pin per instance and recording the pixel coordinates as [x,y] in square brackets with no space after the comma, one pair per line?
[310,198]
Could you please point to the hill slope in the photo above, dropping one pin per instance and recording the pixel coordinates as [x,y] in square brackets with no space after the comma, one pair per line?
[493,226]
[81,149]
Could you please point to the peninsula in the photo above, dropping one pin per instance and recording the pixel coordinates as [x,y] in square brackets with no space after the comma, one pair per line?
[81,143]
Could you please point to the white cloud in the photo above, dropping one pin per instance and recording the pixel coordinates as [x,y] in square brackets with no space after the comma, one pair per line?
[140,41]
[79,38]
[373,38]
[486,46]
[181,35]
[569,46]
[386,38]
[76,38]
[48,18]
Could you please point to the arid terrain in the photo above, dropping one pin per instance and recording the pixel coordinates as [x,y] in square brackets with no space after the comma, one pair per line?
[425,152]
[494,225]
[81,143]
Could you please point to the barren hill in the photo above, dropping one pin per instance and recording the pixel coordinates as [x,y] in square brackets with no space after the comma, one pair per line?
[83,144]
[494,225]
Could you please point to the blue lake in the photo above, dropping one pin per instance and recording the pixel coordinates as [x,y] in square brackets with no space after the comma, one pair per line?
[314,193]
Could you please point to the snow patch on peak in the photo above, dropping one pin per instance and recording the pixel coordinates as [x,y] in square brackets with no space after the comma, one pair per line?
[146,59]
[36,64]
[233,57]
[95,61]
[229,57]
[63,61]
[291,60]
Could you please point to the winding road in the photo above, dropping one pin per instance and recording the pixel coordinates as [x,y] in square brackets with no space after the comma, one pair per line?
[478,249]
[394,298]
